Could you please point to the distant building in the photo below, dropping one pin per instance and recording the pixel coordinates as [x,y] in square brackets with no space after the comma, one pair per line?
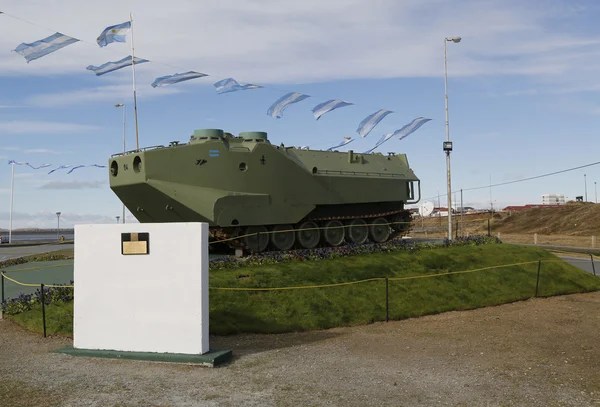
[553,199]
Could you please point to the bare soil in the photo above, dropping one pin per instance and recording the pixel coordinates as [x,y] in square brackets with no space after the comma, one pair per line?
[540,352]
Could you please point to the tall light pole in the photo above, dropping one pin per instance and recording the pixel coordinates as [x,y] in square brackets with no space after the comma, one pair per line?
[448,143]
[124,122]
[117,218]
[58,226]
[595,192]
[585,182]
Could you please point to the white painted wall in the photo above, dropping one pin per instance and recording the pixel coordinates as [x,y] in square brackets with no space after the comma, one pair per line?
[142,303]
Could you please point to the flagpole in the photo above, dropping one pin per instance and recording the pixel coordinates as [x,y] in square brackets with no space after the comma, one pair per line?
[137,144]
[12,186]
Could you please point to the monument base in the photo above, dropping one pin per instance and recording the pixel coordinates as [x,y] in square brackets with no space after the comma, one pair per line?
[210,359]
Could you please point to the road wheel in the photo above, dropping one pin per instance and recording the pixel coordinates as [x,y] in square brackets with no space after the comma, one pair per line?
[379,230]
[283,237]
[258,238]
[358,231]
[334,233]
[308,237]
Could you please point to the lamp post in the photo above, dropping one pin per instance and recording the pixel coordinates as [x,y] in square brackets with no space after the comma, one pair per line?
[117,218]
[585,182]
[58,226]
[448,143]
[595,192]
[124,122]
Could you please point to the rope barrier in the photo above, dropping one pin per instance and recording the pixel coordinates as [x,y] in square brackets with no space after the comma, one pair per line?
[370,279]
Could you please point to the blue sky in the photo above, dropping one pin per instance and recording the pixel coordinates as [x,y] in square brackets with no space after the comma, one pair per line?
[523,90]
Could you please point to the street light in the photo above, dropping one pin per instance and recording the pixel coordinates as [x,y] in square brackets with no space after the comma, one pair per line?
[448,143]
[117,218]
[595,192]
[124,122]
[585,181]
[58,226]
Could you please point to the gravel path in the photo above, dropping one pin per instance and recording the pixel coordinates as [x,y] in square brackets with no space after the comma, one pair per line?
[540,352]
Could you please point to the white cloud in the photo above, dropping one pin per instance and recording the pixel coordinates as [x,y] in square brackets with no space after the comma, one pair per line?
[42,127]
[73,184]
[272,41]
[41,151]
[108,93]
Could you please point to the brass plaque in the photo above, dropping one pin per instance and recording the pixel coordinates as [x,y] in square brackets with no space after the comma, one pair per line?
[135,243]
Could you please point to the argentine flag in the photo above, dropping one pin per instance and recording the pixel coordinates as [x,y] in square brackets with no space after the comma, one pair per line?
[325,107]
[44,46]
[231,85]
[113,66]
[114,33]
[277,108]
[371,121]
[178,77]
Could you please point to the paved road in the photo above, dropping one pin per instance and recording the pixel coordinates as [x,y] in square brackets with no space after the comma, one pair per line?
[583,263]
[7,252]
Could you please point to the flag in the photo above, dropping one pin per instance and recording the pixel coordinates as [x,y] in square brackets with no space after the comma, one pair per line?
[402,133]
[231,85]
[60,168]
[114,33]
[113,66]
[277,108]
[44,46]
[29,165]
[347,140]
[371,121]
[178,77]
[410,127]
[322,108]
[90,165]
[382,140]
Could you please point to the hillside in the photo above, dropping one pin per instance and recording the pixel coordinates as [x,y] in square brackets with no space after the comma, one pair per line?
[571,219]
[574,219]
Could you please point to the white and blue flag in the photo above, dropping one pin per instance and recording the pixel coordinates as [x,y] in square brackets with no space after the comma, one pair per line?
[410,128]
[44,46]
[322,108]
[178,77]
[277,108]
[113,66]
[231,85]
[371,121]
[402,133]
[114,33]
[347,140]
[382,140]
[90,165]
[29,165]
[60,168]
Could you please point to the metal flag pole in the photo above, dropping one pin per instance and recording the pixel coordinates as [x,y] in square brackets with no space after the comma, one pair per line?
[124,149]
[12,187]
[137,144]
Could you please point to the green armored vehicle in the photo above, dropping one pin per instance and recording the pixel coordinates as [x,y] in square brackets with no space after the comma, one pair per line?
[270,197]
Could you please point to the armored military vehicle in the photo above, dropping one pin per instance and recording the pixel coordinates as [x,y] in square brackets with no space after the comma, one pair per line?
[260,196]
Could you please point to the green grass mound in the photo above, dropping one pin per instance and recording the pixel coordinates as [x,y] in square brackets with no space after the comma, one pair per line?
[355,304]
[420,282]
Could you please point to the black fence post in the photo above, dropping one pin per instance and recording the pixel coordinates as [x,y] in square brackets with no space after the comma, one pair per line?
[591,257]
[387,301]
[537,282]
[43,310]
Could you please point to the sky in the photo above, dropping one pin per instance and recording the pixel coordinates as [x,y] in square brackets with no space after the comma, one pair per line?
[523,91]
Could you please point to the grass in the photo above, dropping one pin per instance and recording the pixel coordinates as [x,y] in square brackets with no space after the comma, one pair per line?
[319,308]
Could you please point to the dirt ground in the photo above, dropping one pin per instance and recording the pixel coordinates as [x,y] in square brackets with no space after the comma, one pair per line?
[540,352]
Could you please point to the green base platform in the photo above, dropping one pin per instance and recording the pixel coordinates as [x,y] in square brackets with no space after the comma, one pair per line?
[210,359]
